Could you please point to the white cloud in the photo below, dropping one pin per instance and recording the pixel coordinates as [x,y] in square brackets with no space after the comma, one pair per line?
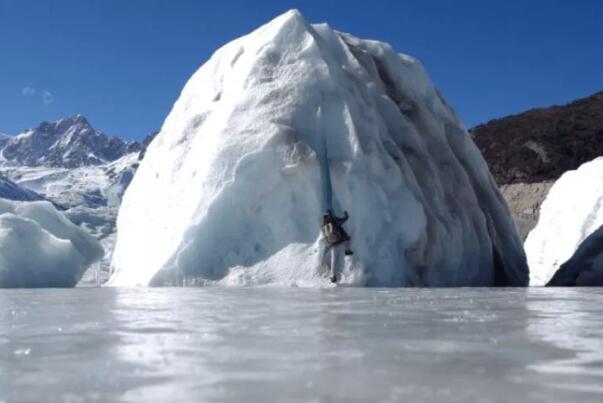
[27,91]
[47,97]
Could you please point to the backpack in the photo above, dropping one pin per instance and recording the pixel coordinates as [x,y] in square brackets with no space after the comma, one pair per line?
[332,233]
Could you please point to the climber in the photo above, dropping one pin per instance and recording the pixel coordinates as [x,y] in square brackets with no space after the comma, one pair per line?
[335,235]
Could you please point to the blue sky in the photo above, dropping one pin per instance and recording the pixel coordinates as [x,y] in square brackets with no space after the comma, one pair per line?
[122,63]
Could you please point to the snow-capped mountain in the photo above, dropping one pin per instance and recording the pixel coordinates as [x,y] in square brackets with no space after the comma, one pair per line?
[67,143]
[87,185]
[78,168]
[290,120]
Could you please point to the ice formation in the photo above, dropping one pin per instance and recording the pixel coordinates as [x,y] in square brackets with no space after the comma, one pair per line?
[39,247]
[287,121]
[585,267]
[572,210]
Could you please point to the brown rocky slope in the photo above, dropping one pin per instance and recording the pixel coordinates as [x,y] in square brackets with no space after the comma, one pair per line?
[527,152]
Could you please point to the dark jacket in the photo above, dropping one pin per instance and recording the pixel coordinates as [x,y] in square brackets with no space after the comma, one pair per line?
[334,233]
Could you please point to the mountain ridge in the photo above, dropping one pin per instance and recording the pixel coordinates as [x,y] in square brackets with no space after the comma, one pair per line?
[70,142]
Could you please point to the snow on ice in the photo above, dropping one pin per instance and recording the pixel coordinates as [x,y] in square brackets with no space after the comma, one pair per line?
[287,121]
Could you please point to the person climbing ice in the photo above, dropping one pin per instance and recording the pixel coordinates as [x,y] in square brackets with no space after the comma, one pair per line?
[335,235]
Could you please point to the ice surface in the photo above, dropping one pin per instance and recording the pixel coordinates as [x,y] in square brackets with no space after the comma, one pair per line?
[301,345]
[39,247]
[294,118]
[572,210]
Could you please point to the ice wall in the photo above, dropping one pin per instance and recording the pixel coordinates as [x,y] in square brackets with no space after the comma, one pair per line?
[232,189]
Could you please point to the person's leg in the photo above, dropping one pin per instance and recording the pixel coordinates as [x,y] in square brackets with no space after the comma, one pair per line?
[326,258]
[333,275]
[348,249]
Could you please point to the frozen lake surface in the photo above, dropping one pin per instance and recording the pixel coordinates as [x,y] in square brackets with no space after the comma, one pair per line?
[262,345]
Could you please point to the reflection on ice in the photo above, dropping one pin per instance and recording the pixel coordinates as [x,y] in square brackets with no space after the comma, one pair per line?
[262,344]
[573,323]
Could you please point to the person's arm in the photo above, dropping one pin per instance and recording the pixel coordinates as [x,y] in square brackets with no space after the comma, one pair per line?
[343,219]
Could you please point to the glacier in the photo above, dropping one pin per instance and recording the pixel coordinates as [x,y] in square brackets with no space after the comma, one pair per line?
[292,119]
[571,211]
[40,247]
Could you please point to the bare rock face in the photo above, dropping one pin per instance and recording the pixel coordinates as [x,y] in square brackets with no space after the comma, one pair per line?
[524,201]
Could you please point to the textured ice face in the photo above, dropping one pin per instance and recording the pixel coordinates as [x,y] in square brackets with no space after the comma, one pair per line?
[293,118]
[572,210]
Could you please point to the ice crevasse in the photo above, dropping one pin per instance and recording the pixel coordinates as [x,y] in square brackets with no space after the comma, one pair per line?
[291,119]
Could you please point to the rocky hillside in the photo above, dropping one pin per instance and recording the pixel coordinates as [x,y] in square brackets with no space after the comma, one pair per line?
[528,152]
[541,144]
